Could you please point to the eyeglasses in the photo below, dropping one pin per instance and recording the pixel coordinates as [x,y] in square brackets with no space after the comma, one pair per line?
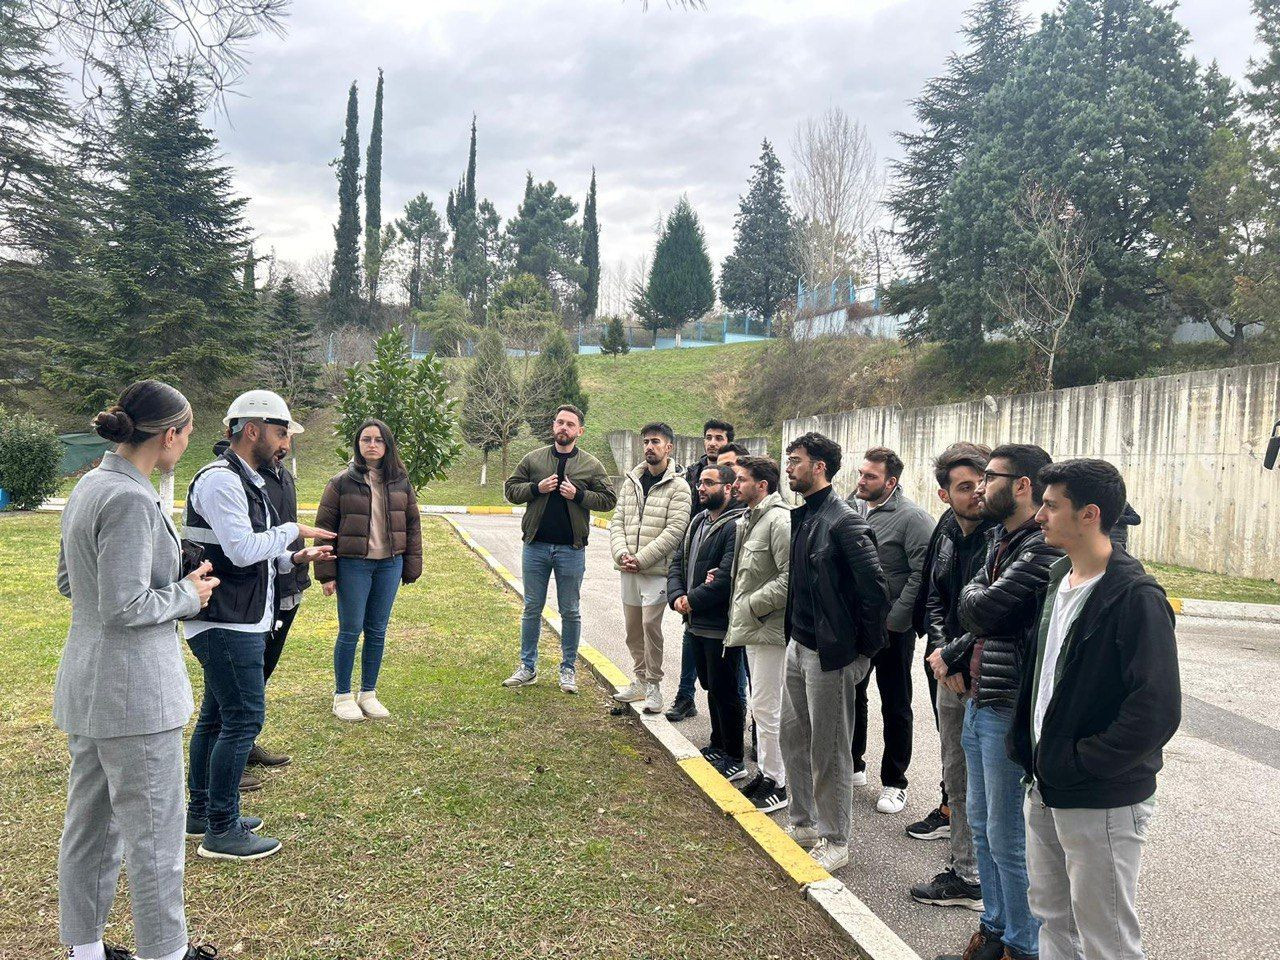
[795,461]
[989,475]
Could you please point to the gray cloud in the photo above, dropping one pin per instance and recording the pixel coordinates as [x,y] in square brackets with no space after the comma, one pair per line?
[661,103]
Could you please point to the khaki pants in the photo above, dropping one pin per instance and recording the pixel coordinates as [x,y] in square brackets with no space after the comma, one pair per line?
[644,601]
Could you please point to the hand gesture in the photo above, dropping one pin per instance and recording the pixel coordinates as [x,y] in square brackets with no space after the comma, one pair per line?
[315,533]
[711,576]
[682,605]
[567,489]
[308,554]
[548,484]
[203,583]
[330,588]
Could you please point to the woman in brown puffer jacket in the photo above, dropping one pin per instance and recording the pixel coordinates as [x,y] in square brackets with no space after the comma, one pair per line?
[372,507]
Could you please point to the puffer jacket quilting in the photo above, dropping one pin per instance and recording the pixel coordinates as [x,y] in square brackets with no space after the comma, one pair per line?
[650,528]
[761,570]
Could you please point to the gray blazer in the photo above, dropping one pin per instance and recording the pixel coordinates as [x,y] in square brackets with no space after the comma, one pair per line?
[122,671]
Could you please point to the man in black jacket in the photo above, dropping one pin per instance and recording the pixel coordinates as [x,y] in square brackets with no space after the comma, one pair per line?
[281,489]
[708,547]
[998,610]
[1099,700]
[958,552]
[837,603]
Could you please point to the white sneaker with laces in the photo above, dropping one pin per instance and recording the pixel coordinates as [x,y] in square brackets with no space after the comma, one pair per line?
[859,778]
[805,837]
[568,680]
[368,703]
[521,678]
[346,708]
[828,856]
[631,693]
[892,800]
[653,698]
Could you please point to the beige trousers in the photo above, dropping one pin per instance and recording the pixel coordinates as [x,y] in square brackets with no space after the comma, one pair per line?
[644,601]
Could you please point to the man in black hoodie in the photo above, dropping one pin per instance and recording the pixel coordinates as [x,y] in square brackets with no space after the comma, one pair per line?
[1099,700]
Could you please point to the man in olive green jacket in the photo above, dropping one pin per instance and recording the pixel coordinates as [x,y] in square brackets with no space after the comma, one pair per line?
[757,616]
[560,485]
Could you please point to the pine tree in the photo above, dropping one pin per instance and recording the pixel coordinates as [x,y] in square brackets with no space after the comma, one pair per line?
[491,412]
[422,228]
[373,199]
[546,242]
[590,252]
[344,282]
[1262,94]
[293,361]
[759,274]
[554,381]
[994,33]
[162,292]
[680,285]
[613,340]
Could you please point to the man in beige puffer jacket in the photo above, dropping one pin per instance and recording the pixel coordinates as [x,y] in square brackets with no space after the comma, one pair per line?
[648,524]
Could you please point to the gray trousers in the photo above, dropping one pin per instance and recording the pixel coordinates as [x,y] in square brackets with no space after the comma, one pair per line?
[955,774]
[1083,867]
[818,709]
[125,799]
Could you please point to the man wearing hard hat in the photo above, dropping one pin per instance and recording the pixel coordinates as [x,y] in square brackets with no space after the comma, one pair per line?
[232,520]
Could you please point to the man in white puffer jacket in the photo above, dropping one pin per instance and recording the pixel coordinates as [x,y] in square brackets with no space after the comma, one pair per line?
[648,524]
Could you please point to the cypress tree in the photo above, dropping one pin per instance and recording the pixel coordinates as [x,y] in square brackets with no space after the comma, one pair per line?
[470,269]
[758,275]
[291,329]
[680,285]
[250,281]
[553,381]
[591,252]
[373,198]
[613,340]
[344,281]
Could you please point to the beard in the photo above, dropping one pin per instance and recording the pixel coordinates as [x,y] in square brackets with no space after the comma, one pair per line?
[713,501]
[1000,505]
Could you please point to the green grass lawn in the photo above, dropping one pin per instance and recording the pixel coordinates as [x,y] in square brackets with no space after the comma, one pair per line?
[478,822]
[1198,585]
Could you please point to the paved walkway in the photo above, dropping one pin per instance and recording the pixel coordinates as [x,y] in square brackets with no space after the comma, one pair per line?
[1210,883]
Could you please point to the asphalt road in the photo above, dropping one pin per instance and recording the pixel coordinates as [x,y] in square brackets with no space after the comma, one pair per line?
[1210,881]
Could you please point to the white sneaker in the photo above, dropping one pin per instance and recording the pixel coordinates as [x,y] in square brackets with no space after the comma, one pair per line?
[521,678]
[367,701]
[346,708]
[828,856]
[653,698]
[892,800]
[631,693]
[805,837]
[568,680]
[859,778]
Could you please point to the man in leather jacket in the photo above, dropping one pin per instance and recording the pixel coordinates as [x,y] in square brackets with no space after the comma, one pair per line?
[998,610]
[837,603]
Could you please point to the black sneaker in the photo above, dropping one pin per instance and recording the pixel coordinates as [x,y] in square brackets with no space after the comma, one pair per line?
[712,755]
[261,757]
[110,952]
[947,889]
[769,797]
[750,787]
[731,769]
[203,952]
[936,826]
[682,709]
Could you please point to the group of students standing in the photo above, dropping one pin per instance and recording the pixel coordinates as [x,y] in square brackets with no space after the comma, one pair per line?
[234,579]
[1050,654]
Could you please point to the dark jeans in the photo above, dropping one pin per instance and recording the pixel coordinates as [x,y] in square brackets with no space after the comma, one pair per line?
[933,702]
[892,669]
[231,716]
[275,641]
[689,672]
[719,670]
[366,591]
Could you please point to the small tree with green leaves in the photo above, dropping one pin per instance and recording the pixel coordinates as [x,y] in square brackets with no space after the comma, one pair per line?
[614,339]
[491,410]
[554,381]
[29,455]
[412,398]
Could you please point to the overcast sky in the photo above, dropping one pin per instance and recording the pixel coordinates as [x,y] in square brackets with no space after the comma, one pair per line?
[662,102]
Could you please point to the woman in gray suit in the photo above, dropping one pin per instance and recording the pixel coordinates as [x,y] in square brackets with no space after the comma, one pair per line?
[122,693]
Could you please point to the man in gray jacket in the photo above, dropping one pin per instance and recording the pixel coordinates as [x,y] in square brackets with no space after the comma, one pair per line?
[902,531]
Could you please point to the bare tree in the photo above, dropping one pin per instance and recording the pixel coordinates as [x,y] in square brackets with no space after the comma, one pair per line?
[836,185]
[312,276]
[1041,282]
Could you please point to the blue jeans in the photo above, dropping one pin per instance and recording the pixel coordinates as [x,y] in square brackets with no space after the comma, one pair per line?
[231,716]
[537,563]
[366,591]
[995,796]
[689,672]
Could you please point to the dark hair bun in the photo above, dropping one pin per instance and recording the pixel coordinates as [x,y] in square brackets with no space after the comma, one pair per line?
[114,425]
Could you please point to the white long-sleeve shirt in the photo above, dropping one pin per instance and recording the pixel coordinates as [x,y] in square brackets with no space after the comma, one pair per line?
[219,497]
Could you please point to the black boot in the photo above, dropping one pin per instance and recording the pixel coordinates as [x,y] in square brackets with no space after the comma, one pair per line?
[249,783]
[682,709]
[261,757]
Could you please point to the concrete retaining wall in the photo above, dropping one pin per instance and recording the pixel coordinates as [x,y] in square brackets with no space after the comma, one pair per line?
[1190,447]
[626,449]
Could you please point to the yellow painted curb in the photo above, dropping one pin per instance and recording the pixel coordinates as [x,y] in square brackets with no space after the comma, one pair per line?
[780,848]
[490,511]
[602,665]
[600,522]
[1176,603]
[720,790]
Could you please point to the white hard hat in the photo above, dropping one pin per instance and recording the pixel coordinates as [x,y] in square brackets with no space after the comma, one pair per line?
[261,405]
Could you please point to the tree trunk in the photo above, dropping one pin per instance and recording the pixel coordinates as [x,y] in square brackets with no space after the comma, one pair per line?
[505,472]
[484,468]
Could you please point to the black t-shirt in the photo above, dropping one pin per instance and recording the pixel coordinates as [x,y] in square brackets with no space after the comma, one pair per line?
[647,480]
[804,624]
[555,526]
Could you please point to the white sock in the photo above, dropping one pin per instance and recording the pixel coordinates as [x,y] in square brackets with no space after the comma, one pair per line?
[178,954]
[89,951]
